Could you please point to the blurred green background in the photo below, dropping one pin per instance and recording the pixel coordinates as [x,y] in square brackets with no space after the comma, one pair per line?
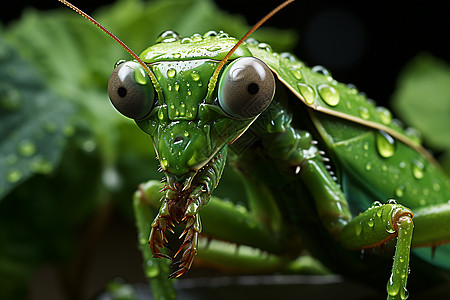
[69,162]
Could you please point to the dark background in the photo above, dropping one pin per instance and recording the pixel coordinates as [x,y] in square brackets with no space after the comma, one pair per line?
[365,43]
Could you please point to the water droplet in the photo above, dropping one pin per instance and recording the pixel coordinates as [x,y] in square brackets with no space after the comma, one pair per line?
[307,92]
[400,191]
[404,294]
[195,76]
[379,213]
[151,269]
[353,89]
[288,56]
[384,114]
[321,70]
[413,134]
[210,33]
[370,102]
[391,201]
[168,36]
[371,223]
[111,179]
[27,148]
[164,162]
[177,86]
[329,94]
[251,42]
[368,166]
[69,130]
[418,169]
[436,186]
[141,238]
[41,165]
[392,287]
[264,46]
[364,112]
[397,124]
[89,145]
[196,37]
[376,204]
[119,62]
[176,55]
[14,176]
[223,35]
[366,146]
[186,40]
[389,228]
[171,73]
[297,74]
[358,229]
[385,144]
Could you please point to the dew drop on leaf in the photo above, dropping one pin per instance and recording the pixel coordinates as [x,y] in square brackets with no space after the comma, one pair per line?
[264,46]
[384,114]
[171,73]
[418,169]
[321,70]
[307,92]
[27,148]
[151,269]
[385,144]
[14,176]
[296,73]
[329,94]
[195,76]
[400,191]
[168,36]
[364,112]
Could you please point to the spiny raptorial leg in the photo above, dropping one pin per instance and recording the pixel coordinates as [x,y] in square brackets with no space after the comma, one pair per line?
[158,238]
[189,246]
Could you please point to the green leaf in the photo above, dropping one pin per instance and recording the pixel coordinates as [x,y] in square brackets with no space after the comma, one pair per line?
[422,99]
[35,123]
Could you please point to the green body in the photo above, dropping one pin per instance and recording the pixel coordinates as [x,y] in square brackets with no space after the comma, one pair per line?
[312,164]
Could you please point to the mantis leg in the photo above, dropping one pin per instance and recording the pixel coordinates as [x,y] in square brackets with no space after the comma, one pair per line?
[233,238]
[384,222]
[375,227]
[371,228]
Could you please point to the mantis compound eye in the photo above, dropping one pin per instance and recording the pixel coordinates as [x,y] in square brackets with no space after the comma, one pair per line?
[131,91]
[246,88]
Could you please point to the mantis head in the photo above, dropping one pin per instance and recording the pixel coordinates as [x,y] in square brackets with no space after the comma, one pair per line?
[193,96]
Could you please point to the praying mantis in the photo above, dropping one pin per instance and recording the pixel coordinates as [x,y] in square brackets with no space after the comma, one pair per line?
[324,169]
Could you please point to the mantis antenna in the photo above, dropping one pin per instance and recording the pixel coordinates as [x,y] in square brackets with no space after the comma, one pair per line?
[135,56]
[213,80]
